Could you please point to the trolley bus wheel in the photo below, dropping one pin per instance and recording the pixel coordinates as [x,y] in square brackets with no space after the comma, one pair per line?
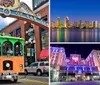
[15,80]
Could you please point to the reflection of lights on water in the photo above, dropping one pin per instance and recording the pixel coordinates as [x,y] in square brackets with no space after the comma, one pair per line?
[80,35]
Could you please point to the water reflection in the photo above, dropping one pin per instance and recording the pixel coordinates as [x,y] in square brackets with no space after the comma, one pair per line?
[75,35]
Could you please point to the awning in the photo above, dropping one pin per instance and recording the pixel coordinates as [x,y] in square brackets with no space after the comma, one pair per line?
[44,54]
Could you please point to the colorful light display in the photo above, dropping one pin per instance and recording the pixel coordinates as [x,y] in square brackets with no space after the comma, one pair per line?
[74,62]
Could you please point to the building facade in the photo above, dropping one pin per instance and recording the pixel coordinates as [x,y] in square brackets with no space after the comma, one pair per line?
[93,59]
[57,57]
[74,66]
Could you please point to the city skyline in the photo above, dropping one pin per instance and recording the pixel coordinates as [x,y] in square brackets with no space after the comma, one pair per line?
[78,49]
[76,10]
[62,20]
[76,24]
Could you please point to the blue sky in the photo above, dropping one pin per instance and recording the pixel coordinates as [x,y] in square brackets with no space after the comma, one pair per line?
[75,9]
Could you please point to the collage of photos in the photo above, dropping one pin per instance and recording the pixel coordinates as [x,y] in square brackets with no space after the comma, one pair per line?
[49,42]
[75,42]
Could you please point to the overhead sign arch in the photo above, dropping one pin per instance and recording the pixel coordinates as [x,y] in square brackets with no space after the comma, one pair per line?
[7,9]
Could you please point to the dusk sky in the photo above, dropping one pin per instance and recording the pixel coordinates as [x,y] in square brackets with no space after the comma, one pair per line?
[83,49]
[76,10]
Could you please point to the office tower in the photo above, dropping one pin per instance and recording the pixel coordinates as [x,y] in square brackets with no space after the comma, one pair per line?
[66,22]
[80,24]
[87,24]
[75,24]
[94,24]
[52,24]
[58,21]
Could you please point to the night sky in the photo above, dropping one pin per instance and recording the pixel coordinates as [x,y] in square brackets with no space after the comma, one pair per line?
[83,49]
[76,10]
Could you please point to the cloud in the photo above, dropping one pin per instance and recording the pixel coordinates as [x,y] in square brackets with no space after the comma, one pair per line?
[6,21]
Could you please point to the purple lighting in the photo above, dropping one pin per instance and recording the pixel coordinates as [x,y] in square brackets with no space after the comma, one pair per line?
[79,71]
[90,68]
[83,68]
[75,68]
[60,50]
[56,50]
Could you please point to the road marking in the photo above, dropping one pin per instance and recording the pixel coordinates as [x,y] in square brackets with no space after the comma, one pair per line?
[36,81]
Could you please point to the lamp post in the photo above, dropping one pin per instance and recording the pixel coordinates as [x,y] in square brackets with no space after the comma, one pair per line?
[31,41]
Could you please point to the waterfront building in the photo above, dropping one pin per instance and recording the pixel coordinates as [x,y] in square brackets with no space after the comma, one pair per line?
[80,24]
[75,24]
[58,22]
[66,22]
[87,24]
[52,25]
[94,24]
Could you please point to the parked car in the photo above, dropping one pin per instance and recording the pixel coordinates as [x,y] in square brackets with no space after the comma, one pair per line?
[38,68]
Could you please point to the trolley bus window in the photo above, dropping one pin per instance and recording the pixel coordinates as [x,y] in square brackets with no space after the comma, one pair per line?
[7,49]
[18,49]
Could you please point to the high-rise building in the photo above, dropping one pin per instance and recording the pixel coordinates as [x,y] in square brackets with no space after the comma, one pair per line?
[75,24]
[87,24]
[80,24]
[58,21]
[94,24]
[52,25]
[66,22]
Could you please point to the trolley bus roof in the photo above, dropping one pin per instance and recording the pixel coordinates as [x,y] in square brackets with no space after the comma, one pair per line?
[10,37]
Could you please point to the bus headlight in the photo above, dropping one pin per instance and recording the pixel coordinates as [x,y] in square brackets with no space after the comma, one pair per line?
[21,66]
[7,64]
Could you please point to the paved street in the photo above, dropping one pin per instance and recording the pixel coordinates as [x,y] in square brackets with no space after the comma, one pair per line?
[77,83]
[28,80]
